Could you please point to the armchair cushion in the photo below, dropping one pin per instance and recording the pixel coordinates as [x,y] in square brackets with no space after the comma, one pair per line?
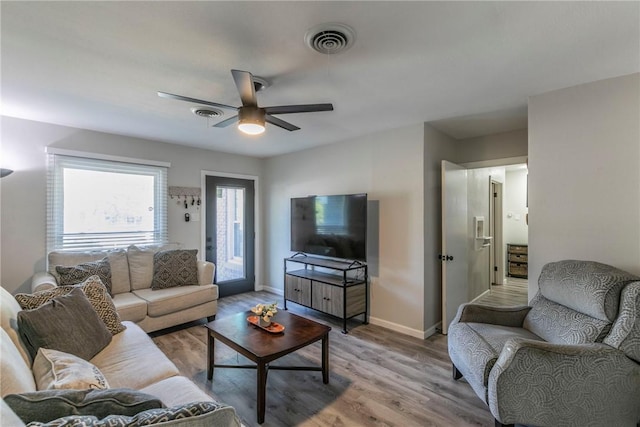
[561,325]
[588,287]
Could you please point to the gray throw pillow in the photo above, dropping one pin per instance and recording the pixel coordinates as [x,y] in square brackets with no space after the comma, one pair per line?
[174,268]
[80,272]
[95,291]
[48,405]
[66,323]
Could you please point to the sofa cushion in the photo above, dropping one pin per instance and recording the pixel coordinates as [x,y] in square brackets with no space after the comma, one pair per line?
[78,273]
[483,343]
[625,333]
[176,390]
[588,287]
[174,268]
[130,307]
[141,263]
[118,263]
[558,324]
[55,369]
[15,372]
[171,300]
[48,405]
[67,323]
[133,360]
[95,292]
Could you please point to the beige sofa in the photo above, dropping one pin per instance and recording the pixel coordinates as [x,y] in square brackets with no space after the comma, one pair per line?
[131,360]
[131,277]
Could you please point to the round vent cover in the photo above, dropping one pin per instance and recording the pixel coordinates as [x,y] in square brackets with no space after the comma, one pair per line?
[209,113]
[330,38]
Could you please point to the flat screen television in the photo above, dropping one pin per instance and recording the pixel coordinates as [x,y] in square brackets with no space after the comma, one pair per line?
[332,226]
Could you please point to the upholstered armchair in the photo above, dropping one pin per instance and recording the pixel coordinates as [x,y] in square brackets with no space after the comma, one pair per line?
[571,358]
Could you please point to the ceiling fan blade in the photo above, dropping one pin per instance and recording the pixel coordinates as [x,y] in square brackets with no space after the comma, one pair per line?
[280,123]
[289,109]
[226,122]
[194,100]
[246,89]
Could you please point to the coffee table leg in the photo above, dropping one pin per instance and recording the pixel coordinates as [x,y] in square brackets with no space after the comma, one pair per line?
[325,359]
[262,390]
[210,355]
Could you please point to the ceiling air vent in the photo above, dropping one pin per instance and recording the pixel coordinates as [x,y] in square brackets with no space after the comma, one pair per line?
[209,113]
[330,39]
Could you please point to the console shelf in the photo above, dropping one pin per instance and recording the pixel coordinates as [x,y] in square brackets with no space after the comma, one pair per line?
[338,288]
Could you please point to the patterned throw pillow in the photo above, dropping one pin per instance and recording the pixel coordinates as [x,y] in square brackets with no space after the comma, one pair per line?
[55,369]
[95,292]
[79,273]
[174,268]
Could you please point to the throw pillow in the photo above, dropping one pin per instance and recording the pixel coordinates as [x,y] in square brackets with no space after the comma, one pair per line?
[48,405]
[80,272]
[191,414]
[95,292]
[174,268]
[55,369]
[141,263]
[66,323]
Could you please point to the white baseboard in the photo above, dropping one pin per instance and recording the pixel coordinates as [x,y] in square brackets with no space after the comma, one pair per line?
[481,295]
[416,333]
[270,289]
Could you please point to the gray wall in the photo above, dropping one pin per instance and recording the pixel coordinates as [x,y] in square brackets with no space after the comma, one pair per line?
[491,147]
[584,179]
[23,194]
[389,167]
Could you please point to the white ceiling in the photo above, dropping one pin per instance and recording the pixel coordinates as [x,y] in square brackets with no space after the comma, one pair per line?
[468,66]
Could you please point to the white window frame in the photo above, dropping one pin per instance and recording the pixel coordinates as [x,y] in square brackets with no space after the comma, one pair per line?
[59,159]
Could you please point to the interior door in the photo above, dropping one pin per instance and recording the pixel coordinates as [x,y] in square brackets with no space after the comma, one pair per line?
[455,233]
[230,233]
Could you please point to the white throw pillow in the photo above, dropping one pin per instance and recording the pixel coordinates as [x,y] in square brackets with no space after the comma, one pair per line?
[55,369]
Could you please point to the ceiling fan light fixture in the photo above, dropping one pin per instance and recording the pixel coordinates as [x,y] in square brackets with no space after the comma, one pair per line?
[251,120]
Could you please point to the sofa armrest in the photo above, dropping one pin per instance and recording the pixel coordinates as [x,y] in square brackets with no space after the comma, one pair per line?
[504,316]
[584,384]
[206,271]
[42,281]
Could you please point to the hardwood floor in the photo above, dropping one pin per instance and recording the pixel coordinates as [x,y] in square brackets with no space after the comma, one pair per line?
[377,377]
[513,292]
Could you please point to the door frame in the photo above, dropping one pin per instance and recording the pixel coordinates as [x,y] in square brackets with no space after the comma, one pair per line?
[257,286]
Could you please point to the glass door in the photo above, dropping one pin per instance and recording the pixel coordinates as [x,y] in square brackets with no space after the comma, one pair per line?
[230,233]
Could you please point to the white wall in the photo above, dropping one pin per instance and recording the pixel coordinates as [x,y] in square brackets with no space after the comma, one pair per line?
[23,194]
[389,167]
[514,223]
[584,175]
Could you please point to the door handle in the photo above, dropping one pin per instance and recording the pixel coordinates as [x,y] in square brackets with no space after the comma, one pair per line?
[445,257]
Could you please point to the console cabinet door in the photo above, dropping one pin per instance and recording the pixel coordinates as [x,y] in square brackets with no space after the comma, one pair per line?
[328,299]
[298,289]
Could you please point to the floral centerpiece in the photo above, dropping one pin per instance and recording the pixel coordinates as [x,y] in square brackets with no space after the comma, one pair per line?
[265,312]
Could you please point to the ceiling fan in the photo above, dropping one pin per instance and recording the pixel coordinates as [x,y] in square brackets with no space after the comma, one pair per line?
[251,118]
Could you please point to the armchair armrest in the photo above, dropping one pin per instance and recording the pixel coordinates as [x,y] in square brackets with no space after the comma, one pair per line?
[206,271]
[504,316]
[42,281]
[540,383]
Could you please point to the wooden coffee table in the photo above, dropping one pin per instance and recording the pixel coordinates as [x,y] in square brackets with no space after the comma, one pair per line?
[263,347]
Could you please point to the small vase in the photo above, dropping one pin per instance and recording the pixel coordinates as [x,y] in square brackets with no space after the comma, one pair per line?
[264,323]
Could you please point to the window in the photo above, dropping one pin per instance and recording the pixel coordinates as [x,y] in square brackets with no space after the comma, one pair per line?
[101,203]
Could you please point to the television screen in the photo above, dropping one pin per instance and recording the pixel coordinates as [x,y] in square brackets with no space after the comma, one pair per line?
[332,226]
